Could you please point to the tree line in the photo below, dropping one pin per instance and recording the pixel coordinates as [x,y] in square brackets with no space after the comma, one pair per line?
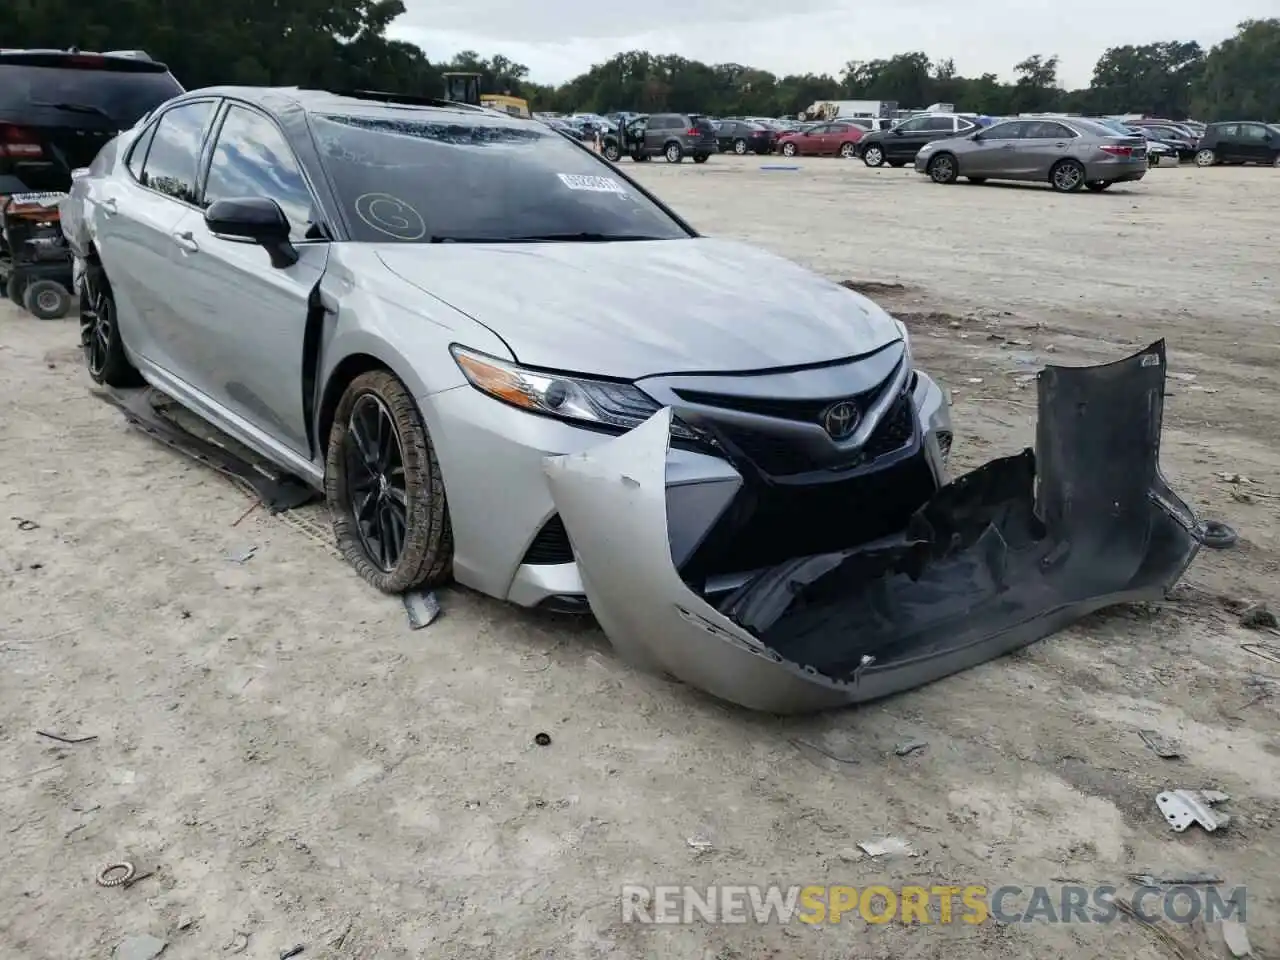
[343,44]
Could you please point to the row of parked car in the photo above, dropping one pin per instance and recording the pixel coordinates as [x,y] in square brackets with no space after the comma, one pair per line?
[1070,153]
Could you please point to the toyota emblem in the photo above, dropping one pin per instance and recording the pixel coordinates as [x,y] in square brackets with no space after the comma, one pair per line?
[840,419]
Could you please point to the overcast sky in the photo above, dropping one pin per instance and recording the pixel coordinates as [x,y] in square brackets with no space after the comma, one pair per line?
[559,39]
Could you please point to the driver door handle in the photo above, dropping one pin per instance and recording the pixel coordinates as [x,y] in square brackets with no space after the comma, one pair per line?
[109,207]
[186,242]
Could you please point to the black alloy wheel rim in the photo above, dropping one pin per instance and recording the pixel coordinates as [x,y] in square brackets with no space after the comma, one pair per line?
[95,332]
[376,490]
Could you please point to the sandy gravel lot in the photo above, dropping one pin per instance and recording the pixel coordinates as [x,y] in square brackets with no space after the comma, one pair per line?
[297,767]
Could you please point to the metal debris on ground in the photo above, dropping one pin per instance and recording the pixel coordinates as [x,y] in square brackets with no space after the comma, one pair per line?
[291,952]
[700,841]
[1258,616]
[1171,943]
[888,847]
[26,524]
[1164,747]
[62,739]
[244,554]
[1185,807]
[542,739]
[422,608]
[1175,879]
[907,747]
[239,942]
[116,874]
[1267,651]
[1216,535]
[140,947]
[1236,938]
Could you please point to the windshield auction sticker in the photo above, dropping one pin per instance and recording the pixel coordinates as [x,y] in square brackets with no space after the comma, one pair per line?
[578,181]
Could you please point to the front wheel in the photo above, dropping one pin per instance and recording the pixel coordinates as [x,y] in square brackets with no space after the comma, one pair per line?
[847,150]
[47,300]
[384,487]
[701,157]
[873,156]
[1067,176]
[942,169]
[612,152]
[789,150]
[1097,186]
[740,147]
[673,153]
[1206,158]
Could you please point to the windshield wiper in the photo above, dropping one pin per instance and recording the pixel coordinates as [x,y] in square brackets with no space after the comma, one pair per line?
[75,108]
[550,238]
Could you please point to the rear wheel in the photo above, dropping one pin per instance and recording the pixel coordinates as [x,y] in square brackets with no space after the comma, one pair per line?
[847,150]
[701,157]
[1097,186]
[897,163]
[384,487]
[13,289]
[942,169]
[789,150]
[1067,176]
[740,146]
[673,153]
[612,152]
[100,340]
[1206,158]
[873,156]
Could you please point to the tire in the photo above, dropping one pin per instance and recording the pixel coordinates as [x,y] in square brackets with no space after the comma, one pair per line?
[1275,161]
[612,153]
[701,157]
[673,152]
[100,341]
[943,168]
[873,156]
[378,400]
[848,150]
[47,300]
[1067,176]
[979,181]
[1097,186]
[789,150]
[13,289]
[897,163]
[1206,158]
[740,147]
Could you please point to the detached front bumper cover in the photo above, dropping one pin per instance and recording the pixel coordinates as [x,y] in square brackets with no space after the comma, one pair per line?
[999,558]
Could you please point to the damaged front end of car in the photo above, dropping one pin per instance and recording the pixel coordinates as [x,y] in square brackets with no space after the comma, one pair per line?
[997,559]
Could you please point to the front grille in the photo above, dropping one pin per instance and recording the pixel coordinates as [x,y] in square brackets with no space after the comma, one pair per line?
[780,455]
[551,545]
[894,432]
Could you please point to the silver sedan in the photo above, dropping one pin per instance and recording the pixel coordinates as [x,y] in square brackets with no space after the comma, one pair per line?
[1068,153]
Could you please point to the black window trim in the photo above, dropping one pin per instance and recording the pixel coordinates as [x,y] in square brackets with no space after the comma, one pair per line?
[148,135]
[206,162]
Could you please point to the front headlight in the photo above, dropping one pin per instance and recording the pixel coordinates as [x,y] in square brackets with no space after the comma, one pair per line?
[600,403]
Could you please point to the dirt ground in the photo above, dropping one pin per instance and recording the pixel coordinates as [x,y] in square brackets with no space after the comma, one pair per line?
[297,767]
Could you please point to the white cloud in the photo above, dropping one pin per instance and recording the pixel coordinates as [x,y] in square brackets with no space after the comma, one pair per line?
[559,39]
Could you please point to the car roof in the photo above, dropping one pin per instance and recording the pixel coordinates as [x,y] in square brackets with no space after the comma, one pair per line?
[285,99]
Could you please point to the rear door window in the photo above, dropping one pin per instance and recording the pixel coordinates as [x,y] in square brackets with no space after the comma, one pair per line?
[173,161]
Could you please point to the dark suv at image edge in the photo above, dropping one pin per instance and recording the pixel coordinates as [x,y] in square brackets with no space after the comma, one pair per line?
[58,107]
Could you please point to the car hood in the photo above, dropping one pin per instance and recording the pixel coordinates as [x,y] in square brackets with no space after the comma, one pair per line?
[634,309]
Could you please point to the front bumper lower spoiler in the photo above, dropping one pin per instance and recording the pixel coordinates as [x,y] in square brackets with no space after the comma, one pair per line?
[999,558]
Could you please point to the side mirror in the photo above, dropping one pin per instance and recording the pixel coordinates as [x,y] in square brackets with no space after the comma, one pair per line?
[978,137]
[896,131]
[255,219]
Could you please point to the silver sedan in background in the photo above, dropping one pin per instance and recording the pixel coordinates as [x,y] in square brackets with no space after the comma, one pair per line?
[1068,153]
